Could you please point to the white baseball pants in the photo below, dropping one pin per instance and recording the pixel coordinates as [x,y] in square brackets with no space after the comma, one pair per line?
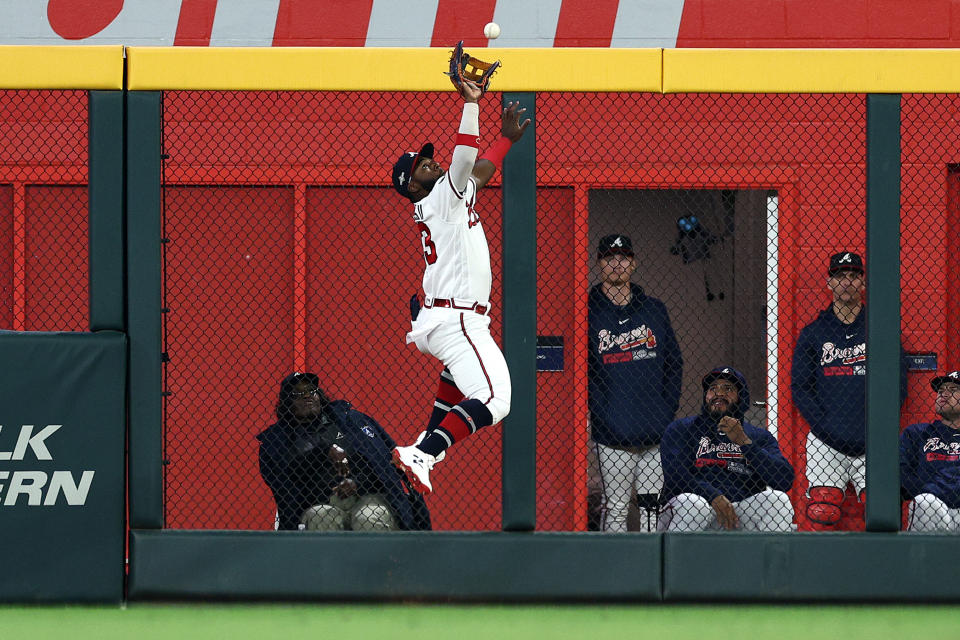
[461,340]
[766,511]
[827,467]
[930,513]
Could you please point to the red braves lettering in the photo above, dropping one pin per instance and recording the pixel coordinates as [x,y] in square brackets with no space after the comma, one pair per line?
[943,457]
[707,462]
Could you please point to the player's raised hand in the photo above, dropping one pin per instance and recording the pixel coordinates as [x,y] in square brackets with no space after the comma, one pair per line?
[726,515]
[468,90]
[512,128]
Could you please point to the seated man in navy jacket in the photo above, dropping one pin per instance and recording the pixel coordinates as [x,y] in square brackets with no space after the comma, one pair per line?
[720,471]
[930,462]
[329,466]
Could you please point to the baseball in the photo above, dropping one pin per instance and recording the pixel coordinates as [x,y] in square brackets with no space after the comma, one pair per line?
[492,30]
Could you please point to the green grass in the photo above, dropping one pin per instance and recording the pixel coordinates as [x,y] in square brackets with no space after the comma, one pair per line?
[458,622]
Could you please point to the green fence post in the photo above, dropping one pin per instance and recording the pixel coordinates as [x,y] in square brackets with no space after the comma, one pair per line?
[144,130]
[520,324]
[883,312]
[105,192]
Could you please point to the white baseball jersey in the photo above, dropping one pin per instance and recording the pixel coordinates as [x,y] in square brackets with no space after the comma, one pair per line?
[454,245]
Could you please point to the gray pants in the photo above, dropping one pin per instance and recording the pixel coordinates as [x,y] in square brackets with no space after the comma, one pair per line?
[624,474]
[356,513]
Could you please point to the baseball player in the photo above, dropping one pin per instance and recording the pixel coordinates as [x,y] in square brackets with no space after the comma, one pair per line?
[930,462]
[635,373]
[720,471]
[829,389]
[454,323]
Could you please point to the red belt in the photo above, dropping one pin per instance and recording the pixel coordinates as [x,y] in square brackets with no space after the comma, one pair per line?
[450,304]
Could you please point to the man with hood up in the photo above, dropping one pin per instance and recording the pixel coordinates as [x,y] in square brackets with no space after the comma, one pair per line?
[329,466]
[635,374]
[720,471]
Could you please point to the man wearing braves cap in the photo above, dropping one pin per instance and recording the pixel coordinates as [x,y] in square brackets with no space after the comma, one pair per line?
[454,323]
[635,374]
[930,462]
[721,472]
[828,382]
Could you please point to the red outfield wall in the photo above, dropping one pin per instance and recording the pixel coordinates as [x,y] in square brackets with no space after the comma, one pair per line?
[289,252]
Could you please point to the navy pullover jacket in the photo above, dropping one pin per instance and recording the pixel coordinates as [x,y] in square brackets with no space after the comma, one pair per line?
[295,465]
[635,369]
[828,380]
[930,462]
[697,458]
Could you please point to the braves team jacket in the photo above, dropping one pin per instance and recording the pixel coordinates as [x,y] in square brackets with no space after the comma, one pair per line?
[635,370]
[697,458]
[828,380]
[930,462]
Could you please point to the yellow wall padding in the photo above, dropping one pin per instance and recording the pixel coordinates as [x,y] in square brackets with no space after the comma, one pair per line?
[811,70]
[387,69]
[66,67]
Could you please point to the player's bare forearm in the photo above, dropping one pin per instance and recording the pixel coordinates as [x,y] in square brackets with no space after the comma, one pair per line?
[511,130]
[483,170]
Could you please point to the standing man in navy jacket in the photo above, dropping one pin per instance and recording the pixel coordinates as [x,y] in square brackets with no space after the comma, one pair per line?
[721,472]
[828,381]
[930,462]
[635,373]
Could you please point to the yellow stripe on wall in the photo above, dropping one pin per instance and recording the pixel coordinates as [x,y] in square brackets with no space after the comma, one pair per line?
[547,69]
[387,69]
[56,67]
[811,70]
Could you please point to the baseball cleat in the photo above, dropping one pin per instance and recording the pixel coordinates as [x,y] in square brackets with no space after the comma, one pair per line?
[440,457]
[416,465]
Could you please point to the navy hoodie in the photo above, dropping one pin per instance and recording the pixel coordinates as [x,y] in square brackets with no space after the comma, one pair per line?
[635,369]
[930,462]
[697,458]
[295,465]
[828,380]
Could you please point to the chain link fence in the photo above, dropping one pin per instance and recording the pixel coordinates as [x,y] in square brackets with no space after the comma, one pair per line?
[286,250]
[43,210]
[930,316]
[699,255]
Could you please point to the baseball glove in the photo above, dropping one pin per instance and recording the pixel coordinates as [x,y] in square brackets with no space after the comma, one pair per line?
[463,66]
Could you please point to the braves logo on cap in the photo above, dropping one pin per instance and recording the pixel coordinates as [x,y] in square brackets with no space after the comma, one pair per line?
[953,376]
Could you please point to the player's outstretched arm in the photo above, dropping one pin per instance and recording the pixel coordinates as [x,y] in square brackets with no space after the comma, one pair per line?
[468,137]
[511,130]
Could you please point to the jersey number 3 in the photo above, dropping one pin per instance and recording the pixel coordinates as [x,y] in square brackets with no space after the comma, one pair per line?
[429,249]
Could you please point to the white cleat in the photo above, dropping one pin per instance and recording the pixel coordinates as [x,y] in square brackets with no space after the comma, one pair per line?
[423,434]
[416,465]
